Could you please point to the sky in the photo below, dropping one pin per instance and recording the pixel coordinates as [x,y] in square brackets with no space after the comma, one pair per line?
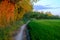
[48,5]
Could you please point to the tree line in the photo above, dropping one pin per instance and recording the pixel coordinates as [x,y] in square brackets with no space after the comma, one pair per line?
[40,15]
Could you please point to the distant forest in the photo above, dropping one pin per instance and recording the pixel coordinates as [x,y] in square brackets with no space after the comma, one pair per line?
[40,15]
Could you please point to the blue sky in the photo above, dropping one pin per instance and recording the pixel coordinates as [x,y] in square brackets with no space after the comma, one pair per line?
[48,5]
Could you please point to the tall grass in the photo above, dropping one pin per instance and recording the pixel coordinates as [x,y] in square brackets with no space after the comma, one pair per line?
[8,32]
[44,29]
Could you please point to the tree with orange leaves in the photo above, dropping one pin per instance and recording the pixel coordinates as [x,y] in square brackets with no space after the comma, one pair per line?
[11,10]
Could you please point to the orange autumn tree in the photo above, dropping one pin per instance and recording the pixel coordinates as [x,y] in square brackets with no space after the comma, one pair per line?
[6,12]
[12,10]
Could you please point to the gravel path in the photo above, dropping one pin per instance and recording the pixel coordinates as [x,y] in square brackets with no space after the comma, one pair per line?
[20,35]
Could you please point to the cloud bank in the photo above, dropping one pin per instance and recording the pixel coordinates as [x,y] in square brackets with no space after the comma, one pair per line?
[40,7]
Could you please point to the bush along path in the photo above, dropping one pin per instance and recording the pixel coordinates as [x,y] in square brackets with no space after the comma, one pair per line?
[22,35]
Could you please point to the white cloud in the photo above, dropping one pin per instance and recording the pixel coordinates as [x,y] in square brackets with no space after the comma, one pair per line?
[55,4]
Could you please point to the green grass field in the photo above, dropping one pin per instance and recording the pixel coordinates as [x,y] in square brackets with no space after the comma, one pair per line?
[44,29]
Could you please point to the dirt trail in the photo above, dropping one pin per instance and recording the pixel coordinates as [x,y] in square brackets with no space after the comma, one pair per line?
[21,32]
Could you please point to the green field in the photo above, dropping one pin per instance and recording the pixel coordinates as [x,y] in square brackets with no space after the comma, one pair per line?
[44,29]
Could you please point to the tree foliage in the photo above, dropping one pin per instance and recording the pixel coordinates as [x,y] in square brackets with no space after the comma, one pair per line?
[12,10]
[40,15]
